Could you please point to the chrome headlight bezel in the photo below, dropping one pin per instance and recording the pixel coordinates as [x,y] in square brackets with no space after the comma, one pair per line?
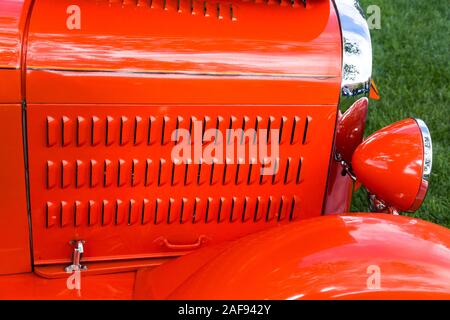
[427,164]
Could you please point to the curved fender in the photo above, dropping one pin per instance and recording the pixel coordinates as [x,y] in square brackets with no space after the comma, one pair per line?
[361,256]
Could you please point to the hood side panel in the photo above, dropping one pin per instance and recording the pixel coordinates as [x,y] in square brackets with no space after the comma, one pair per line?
[262,54]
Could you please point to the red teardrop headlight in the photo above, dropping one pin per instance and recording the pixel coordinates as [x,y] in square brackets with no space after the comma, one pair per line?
[394,164]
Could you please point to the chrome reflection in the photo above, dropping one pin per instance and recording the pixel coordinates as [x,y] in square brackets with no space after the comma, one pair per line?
[357,53]
[427,149]
[427,164]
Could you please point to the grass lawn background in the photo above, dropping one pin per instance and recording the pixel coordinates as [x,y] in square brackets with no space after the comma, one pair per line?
[411,69]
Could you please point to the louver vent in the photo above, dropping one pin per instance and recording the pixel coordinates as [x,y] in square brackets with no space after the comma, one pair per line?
[104,173]
[210,8]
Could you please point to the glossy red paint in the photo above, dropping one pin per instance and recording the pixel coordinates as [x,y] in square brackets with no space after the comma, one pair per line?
[13,17]
[147,54]
[349,134]
[14,228]
[390,162]
[28,286]
[334,258]
[350,129]
[330,257]
[338,196]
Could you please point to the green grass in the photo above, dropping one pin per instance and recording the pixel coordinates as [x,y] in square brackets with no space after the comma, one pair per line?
[411,70]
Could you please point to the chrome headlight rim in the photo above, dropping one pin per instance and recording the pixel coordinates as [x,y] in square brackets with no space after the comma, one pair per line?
[427,165]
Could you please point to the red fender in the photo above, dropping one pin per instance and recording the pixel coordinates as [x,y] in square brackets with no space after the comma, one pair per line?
[361,256]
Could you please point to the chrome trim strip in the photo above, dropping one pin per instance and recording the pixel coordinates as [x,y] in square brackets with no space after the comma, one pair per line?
[427,164]
[357,53]
[420,197]
[427,149]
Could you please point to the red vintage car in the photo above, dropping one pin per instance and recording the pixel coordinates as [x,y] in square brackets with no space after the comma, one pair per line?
[186,149]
